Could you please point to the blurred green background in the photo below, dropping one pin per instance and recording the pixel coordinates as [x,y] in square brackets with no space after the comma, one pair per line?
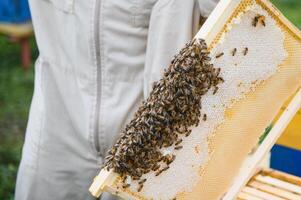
[16,88]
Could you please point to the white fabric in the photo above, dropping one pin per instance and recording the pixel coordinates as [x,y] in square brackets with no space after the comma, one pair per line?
[206,6]
[90,77]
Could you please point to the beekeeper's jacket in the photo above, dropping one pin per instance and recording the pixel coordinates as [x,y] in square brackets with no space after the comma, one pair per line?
[97,61]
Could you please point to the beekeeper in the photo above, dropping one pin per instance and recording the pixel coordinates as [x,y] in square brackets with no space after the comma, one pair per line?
[97,61]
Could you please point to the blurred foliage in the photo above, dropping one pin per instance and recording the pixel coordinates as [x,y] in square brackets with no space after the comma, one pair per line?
[16,87]
[291,9]
[10,148]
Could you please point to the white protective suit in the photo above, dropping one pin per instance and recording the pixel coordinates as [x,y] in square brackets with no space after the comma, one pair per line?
[97,61]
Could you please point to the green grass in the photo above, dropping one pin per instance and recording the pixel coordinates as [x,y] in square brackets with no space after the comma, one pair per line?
[291,9]
[10,148]
[16,88]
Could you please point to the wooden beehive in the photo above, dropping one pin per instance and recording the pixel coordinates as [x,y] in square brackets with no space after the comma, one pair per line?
[216,161]
[271,185]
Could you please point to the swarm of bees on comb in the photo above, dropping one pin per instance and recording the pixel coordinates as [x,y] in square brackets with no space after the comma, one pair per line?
[166,117]
[169,113]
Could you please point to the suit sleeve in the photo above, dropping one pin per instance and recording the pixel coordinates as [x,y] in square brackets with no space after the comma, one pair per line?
[206,6]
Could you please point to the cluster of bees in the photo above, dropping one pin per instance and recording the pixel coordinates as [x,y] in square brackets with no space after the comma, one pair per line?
[166,117]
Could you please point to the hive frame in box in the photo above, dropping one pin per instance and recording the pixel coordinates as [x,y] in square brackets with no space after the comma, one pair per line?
[271,184]
[217,21]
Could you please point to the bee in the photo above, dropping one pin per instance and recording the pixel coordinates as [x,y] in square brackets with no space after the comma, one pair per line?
[140,187]
[219,55]
[166,145]
[187,134]
[258,18]
[215,90]
[158,173]
[124,179]
[261,19]
[161,158]
[217,71]
[126,186]
[178,142]
[178,147]
[204,117]
[165,168]
[255,21]
[142,181]
[170,159]
[221,80]
[155,167]
[246,50]
[234,51]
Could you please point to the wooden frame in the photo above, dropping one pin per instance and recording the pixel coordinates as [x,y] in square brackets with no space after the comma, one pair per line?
[252,163]
[213,26]
[273,185]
